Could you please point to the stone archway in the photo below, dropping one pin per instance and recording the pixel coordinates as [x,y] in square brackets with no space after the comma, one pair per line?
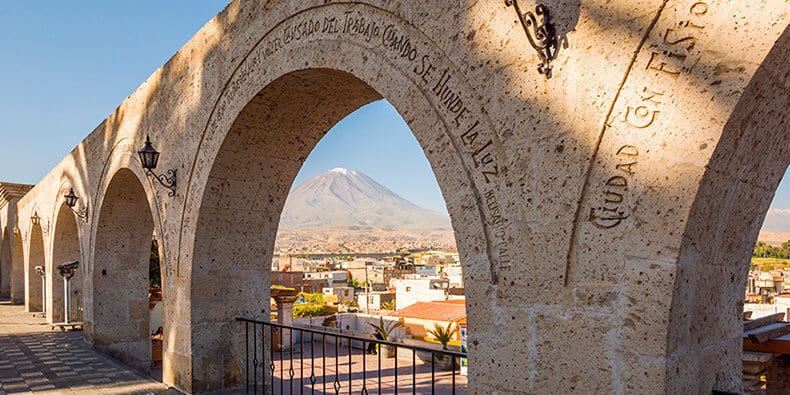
[242,205]
[118,323]
[267,123]
[33,281]
[65,248]
[752,155]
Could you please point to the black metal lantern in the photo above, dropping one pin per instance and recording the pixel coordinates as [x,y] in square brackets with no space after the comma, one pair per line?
[67,270]
[149,158]
[71,201]
[35,219]
[71,198]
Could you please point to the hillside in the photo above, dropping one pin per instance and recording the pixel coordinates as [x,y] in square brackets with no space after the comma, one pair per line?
[345,211]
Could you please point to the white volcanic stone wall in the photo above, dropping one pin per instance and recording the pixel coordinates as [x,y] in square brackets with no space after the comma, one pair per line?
[603,215]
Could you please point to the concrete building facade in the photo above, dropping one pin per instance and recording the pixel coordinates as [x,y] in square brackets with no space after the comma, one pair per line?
[597,204]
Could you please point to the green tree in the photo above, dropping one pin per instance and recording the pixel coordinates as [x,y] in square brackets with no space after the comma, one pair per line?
[354,283]
[313,310]
[154,268]
[316,298]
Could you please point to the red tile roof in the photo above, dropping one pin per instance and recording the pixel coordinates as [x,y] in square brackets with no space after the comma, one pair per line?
[447,311]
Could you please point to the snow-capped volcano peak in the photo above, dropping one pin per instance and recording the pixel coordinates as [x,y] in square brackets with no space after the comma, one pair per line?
[342,197]
[342,171]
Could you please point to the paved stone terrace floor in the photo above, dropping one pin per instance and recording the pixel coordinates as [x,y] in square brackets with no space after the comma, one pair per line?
[36,360]
[330,369]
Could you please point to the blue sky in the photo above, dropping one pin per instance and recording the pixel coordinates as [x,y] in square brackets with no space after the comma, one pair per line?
[67,65]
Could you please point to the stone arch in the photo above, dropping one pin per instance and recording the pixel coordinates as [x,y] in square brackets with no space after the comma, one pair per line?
[35,257]
[263,128]
[751,157]
[5,264]
[118,323]
[65,248]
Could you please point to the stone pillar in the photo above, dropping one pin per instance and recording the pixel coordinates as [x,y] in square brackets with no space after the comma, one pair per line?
[285,308]
[779,376]
[755,364]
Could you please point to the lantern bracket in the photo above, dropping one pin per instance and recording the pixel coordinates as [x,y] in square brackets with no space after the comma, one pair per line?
[167,181]
[542,37]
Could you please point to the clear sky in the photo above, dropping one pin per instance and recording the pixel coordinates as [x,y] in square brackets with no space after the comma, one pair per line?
[67,65]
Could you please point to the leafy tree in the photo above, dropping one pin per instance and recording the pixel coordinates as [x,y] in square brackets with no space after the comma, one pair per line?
[354,283]
[390,305]
[765,250]
[316,298]
[313,310]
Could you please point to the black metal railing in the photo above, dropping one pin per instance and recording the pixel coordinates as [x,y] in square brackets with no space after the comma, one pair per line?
[298,360]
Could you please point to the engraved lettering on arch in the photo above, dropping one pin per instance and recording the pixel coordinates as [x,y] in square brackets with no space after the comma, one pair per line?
[632,153]
[640,117]
[606,218]
[699,8]
[613,211]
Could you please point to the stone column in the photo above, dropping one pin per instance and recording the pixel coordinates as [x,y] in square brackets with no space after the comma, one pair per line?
[285,308]
[755,364]
[778,376]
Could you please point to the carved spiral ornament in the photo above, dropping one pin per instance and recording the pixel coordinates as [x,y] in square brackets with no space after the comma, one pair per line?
[542,36]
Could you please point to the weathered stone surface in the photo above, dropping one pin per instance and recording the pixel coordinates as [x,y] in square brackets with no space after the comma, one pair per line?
[603,215]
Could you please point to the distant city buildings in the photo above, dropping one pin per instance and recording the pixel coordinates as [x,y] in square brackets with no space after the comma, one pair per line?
[377,283]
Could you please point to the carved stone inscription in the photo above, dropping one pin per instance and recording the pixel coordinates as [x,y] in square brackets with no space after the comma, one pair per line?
[438,81]
[672,56]
[641,113]
[613,212]
[437,78]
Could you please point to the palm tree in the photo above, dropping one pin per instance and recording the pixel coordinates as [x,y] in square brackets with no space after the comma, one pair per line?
[443,335]
[385,328]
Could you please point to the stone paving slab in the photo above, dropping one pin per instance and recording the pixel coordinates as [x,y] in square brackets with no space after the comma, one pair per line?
[312,367]
[35,360]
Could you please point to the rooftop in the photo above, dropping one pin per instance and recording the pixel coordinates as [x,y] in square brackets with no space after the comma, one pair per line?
[447,311]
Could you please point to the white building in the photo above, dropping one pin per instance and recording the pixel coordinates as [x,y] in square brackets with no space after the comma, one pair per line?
[373,300]
[454,275]
[336,278]
[411,291]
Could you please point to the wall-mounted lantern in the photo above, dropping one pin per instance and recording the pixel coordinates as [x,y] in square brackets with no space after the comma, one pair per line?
[71,201]
[149,157]
[35,219]
[16,230]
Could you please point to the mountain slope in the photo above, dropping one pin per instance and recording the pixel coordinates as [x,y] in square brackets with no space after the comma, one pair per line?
[350,199]
[777,220]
